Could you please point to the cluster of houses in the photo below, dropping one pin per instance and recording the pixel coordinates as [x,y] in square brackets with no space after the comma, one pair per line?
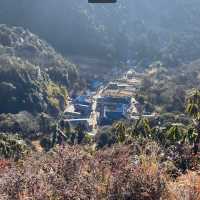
[80,114]
[115,102]
[112,109]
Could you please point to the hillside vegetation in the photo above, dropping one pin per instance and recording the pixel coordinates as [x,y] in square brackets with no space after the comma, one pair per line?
[141,31]
[34,81]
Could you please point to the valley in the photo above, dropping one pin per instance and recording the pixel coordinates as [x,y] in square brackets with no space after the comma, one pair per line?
[99,101]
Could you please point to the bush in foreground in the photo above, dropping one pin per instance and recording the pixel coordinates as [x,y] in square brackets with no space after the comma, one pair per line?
[72,173]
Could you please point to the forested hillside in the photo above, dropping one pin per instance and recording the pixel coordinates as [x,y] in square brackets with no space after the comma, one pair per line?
[141,31]
[35,81]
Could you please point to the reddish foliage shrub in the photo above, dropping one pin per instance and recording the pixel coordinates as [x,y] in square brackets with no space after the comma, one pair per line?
[4,164]
[72,173]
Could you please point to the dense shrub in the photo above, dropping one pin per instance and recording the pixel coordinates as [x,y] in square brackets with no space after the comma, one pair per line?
[186,187]
[72,173]
[12,146]
[141,182]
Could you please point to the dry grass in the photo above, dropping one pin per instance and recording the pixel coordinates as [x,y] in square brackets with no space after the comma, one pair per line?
[122,172]
[72,173]
[143,181]
[186,187]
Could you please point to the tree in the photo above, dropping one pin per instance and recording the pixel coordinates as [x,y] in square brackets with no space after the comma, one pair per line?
[174,134]
[12,146]
[61,132]
[120,131]
[80,130]
[193,108]
[142,127]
